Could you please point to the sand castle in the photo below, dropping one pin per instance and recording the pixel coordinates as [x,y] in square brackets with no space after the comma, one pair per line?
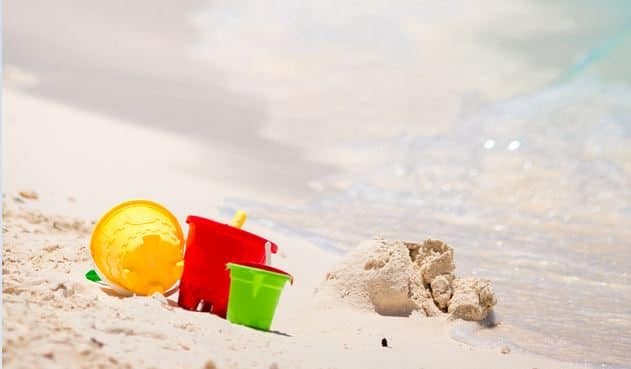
[398,278]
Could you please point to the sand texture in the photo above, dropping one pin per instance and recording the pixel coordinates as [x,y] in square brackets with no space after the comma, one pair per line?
[397,278]
[55,318]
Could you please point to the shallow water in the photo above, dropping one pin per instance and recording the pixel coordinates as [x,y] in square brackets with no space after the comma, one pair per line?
[503,130]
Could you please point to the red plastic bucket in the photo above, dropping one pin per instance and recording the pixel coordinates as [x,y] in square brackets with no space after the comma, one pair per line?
[210,245]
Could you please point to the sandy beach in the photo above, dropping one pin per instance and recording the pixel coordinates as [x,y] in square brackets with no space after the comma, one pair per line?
[54,318]
[501,129]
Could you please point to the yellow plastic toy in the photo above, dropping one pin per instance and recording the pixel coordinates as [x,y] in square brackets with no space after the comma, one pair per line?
[239,218]
[138,246]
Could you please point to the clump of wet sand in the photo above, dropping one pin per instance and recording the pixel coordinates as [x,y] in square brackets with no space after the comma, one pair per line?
[395,277]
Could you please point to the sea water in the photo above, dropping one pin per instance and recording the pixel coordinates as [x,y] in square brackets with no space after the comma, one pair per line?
[502,129]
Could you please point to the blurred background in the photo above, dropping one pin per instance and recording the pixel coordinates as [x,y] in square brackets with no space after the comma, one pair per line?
[503,128]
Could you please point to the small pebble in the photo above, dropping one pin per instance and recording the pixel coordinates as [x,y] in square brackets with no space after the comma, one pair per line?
[384,342]
[31,195]
[210,365]
[96,342]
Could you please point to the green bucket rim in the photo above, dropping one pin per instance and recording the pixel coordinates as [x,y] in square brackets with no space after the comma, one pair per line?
[262,268]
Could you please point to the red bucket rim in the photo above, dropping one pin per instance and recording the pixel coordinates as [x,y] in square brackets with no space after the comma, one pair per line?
[229,229]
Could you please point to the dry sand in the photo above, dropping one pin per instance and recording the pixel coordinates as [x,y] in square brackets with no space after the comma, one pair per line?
[54,318]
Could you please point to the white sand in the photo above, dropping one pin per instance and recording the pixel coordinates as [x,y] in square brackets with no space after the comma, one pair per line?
[54,318]
[398,278]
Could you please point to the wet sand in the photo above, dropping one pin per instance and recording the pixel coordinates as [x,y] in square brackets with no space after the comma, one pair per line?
[455,127]
[134,62]
[54,318]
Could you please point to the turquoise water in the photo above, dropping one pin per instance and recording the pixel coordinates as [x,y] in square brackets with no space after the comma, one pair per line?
[503,130]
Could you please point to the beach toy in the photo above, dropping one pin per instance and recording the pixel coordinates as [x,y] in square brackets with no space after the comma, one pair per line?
[239,219]
[137,247]
[210,245]
[254,293]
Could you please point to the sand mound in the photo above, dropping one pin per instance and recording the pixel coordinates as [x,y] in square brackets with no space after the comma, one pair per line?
[397,278]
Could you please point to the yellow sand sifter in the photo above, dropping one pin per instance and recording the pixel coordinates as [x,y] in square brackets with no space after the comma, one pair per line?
[137,247]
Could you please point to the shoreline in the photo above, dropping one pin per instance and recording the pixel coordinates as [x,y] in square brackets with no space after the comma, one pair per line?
[54,318]
[124,332]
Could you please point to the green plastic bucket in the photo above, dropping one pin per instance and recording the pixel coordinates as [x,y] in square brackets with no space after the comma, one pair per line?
[254,293]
